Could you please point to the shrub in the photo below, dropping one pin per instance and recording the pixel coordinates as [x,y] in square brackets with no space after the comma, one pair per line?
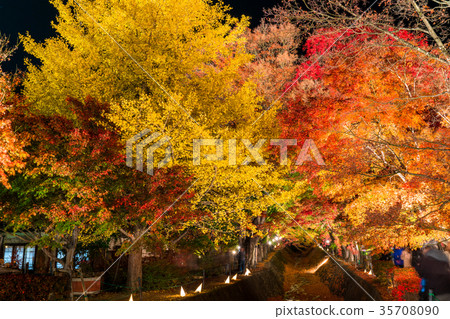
[159,275]
[406,284]
[33,287]
[383,270]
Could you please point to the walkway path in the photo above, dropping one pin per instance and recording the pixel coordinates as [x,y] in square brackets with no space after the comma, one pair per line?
[300,282]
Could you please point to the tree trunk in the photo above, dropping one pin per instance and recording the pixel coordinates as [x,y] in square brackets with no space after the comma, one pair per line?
[260,253]
[70,254]
[71,247]
[134,267]
[250,246]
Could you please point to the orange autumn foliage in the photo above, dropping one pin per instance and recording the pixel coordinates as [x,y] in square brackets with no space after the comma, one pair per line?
[11,148]
[379,115]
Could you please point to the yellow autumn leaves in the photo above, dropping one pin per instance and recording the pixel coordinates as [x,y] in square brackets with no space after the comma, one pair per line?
[173,67]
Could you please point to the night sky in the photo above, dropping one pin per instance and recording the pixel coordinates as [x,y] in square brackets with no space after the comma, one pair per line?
[34,16]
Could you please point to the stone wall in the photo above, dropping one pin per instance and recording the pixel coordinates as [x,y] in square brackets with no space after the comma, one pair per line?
[268,282]
[342,285]
[260,286]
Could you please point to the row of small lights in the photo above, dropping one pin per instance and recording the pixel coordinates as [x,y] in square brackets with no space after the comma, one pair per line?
[270,242]
[227,281]
[273,241]
[199,288]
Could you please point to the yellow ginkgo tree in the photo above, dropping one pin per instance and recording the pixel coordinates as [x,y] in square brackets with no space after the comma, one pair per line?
[172,67]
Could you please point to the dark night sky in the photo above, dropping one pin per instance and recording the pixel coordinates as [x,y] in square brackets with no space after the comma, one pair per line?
[34,16]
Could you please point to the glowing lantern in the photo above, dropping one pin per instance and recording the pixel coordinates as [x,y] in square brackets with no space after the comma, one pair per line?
[234,277]
[247,272]
[182,293]
[199,288]
[228,280]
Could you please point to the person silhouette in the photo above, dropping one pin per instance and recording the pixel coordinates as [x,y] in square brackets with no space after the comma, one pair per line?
[241,260]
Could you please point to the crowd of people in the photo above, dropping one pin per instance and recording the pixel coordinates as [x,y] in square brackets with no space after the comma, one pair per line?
[432,263]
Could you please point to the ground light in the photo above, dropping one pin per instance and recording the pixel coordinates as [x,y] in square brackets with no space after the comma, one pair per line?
[234,277]
[131,298]
[323,262]
[199,288]
[228,280]
[247,272]
[182,293]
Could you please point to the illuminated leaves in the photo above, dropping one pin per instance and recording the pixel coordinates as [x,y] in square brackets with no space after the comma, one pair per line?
[374,113]
[11,146]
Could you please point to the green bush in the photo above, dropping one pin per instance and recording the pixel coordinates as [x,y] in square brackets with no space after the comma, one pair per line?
[160,275]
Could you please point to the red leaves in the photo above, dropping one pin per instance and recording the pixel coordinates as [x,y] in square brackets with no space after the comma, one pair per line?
[370,106]
[144,198]
[12,154]
[307,70]
[32,287]
[406,280]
